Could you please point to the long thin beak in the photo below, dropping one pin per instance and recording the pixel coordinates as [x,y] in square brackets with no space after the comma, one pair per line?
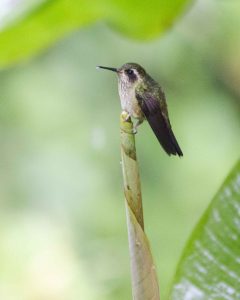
[107,68]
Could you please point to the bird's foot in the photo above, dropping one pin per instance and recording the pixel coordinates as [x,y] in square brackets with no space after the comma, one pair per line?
[134,130]
[139,122]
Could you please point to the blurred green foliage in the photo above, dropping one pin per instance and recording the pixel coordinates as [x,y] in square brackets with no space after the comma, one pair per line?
[59,157]
[45,22]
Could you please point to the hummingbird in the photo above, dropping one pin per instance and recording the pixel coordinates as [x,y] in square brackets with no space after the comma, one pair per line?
[143,98]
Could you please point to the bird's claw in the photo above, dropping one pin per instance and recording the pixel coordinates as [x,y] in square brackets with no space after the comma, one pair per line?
[134,130]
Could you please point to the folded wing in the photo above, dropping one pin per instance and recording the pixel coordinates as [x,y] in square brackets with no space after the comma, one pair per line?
[159,123]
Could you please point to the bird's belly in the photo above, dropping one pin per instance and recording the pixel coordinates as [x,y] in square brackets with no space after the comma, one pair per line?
[131,106]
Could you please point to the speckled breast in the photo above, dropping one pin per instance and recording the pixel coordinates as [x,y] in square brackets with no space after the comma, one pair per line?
[129,102]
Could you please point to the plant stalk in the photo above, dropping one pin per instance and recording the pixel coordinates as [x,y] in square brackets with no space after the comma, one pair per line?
[143,272]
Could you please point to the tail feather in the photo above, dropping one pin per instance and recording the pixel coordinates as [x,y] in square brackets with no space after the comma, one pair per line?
[164,134]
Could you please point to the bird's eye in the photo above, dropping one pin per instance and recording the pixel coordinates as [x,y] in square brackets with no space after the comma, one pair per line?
[129,71]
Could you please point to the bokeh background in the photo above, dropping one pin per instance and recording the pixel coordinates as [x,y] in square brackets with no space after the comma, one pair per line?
[62,215]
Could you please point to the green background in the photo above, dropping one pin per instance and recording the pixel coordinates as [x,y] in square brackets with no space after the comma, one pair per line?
[62,217]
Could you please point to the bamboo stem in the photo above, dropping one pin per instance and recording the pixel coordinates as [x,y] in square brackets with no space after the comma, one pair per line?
[143,273]
[131,177]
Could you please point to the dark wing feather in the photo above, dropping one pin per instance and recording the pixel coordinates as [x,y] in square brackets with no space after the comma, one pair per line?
[159,123]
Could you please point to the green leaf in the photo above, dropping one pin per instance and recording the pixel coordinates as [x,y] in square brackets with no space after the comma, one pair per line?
[210,266]
[48,21]
[42,27]
[143,19]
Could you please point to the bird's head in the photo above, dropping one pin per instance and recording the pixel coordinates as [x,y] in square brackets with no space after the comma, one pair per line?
[129,73]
